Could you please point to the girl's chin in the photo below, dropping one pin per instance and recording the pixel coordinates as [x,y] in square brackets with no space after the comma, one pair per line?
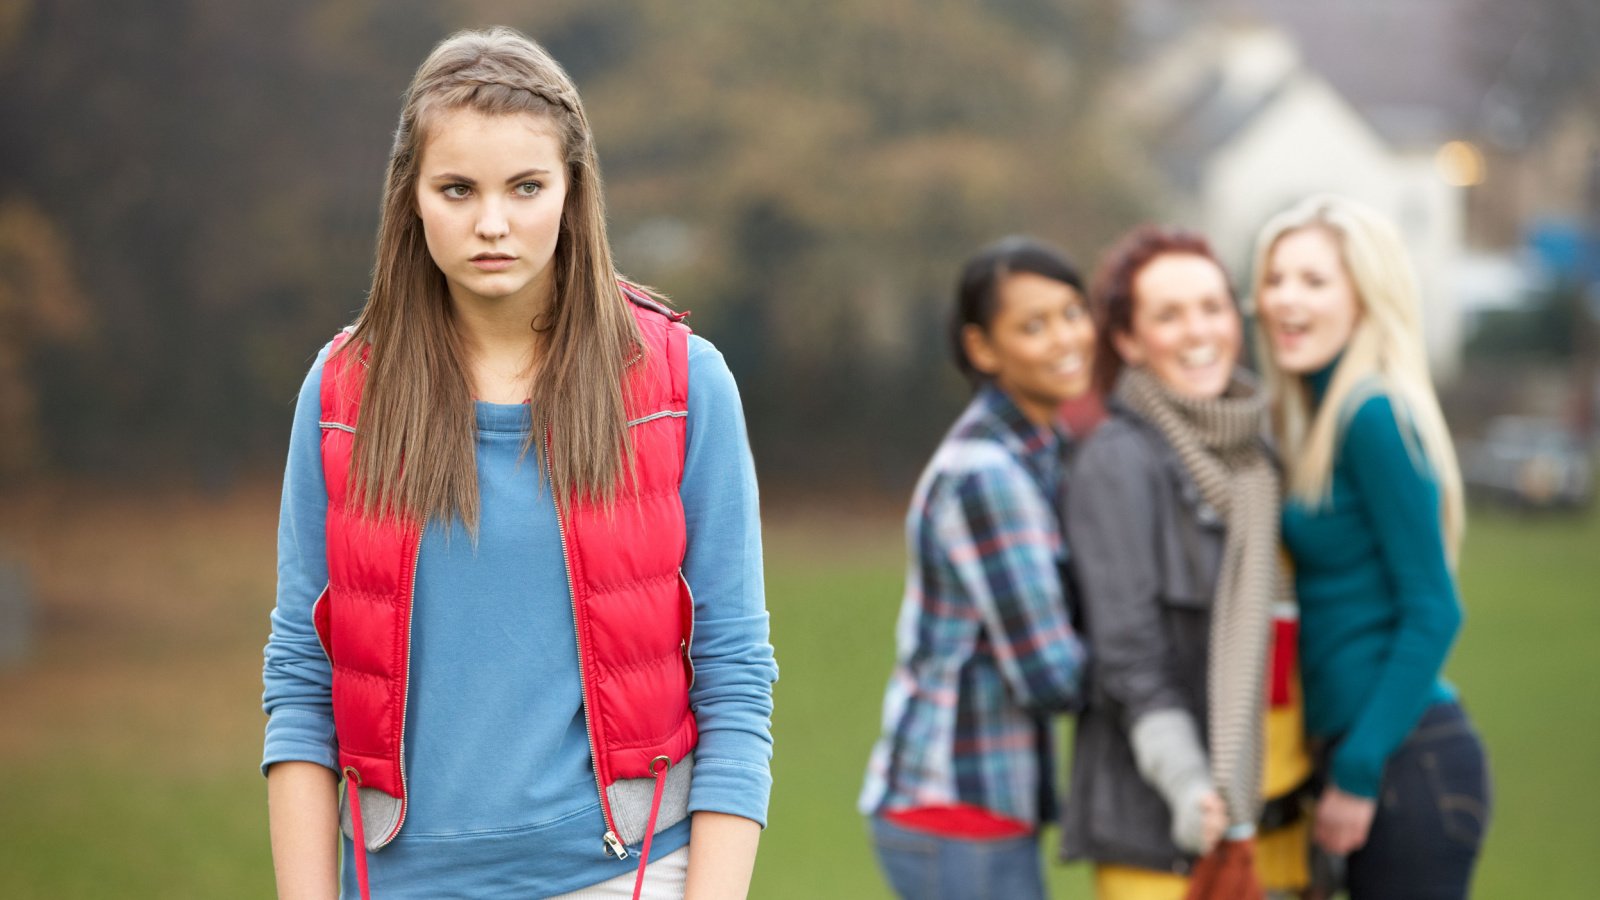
[1297,363]
[1201,385]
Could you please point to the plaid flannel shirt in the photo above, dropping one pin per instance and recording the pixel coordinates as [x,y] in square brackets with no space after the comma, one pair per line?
[986,647]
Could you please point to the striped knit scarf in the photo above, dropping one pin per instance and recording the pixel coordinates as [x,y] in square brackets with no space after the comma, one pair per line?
[1219,442]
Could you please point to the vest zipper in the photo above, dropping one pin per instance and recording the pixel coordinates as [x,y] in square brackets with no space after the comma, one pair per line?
[321,641]
[687,644]
[613,844]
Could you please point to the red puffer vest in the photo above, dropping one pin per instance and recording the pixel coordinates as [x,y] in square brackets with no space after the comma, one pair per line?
[632,609]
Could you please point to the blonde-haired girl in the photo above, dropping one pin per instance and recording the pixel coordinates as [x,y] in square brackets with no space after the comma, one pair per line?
[1374,521]
[519,607]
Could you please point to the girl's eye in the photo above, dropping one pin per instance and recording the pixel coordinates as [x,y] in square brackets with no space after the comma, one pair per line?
[456,191]
[1033,326]
[1273,279]
[1315,281]
[528,188]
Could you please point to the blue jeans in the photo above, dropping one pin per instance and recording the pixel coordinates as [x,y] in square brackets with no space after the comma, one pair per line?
[1432,813]
[922,866]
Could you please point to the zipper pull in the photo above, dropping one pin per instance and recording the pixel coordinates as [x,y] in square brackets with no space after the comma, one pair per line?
[615,846]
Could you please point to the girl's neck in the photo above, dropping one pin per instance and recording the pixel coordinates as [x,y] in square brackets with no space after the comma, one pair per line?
[500,346]
[1320,380]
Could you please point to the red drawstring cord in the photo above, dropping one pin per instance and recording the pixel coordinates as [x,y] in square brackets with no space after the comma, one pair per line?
[650,827]
[352,790]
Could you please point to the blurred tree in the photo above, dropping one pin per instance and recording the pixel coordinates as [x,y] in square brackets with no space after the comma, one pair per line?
[215,170]
[807,176]
[1538,57]
[39,301]
[13,14]
[833,165]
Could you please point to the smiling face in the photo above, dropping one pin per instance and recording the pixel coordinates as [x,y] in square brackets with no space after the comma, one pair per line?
[1038,346]
[490,194]
[1308,304]
[1184,328]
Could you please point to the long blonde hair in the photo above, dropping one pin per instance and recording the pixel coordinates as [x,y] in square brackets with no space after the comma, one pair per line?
[1386,355]
[414,449]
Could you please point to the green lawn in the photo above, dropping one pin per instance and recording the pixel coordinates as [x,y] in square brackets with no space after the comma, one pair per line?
[128,753]
[1523,666]
[1526,667]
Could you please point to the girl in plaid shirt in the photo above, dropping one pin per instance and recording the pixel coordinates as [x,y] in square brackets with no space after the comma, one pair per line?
[961,778]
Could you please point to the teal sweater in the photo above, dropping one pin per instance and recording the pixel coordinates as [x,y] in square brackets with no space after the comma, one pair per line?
[1378,602]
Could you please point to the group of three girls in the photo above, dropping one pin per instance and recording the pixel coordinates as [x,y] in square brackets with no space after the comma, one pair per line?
[1143,586]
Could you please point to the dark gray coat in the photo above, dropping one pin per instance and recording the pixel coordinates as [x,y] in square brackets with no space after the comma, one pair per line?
[1145,549]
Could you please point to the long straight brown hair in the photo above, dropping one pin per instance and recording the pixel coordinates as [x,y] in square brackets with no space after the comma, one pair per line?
[414,451]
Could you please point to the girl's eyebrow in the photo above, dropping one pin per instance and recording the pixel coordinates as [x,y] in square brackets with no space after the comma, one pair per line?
[520,176]
[462,179]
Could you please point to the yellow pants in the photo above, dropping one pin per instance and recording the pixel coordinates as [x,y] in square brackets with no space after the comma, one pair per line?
[1280,863]
[1128,883]
[1281,855]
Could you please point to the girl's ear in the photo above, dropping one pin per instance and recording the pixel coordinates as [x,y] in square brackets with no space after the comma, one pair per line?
[980,352]
[1129,349]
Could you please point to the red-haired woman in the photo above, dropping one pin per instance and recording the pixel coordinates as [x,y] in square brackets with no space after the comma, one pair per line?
[1173,522]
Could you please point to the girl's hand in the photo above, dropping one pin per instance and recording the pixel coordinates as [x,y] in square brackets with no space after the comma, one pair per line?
[1198,824]
[1343,821]
[1214,821]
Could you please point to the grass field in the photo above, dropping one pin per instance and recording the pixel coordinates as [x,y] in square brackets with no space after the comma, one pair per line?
[129,742]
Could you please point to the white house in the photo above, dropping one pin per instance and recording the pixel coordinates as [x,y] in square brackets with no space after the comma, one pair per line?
[1239,128]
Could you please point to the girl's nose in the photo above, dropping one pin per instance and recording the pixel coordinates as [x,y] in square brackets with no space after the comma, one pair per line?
[1277,299]
[492,222]
[1194,324]
[1064,332]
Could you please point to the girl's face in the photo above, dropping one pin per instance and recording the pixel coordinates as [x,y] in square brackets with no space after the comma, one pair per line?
[1308,304]
[490,193]
[1038,346]
[1184,329]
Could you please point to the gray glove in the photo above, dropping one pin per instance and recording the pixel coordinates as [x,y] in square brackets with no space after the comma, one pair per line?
[1167,751]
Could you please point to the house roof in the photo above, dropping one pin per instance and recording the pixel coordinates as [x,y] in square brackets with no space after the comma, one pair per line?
[1205,123]
[1205,89]
[1409,67]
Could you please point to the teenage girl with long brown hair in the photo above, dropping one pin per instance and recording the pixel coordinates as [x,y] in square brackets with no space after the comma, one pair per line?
[520,612]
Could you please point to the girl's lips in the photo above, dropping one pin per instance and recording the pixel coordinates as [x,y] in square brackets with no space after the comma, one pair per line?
[1200,357]
[492,263]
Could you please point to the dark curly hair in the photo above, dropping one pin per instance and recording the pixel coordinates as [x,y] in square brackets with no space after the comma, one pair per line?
[1111,296]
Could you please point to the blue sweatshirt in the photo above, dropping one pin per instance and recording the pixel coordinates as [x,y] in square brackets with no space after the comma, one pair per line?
[1378,603]
[502,800]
